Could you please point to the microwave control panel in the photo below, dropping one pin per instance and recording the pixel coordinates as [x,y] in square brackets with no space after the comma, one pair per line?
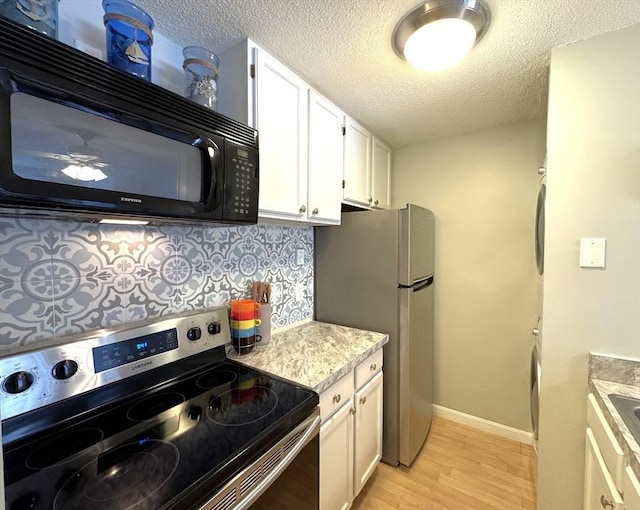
[241,183]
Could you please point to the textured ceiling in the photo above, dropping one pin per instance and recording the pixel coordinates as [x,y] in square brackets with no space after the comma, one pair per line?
[342,48]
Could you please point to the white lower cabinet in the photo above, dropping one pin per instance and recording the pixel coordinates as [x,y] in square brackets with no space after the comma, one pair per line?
[631,490]
[607,484]
[351,433]
[336,460]
[599,489]
[368,426]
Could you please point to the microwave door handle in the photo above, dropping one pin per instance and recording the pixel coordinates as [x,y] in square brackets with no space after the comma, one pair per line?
[211,156]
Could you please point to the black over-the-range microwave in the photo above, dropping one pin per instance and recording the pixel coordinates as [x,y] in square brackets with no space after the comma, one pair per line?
[82,139]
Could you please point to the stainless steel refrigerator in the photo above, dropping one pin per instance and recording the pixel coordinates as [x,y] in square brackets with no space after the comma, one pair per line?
[376,271]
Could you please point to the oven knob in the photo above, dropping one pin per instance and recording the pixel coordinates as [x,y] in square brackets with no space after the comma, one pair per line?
[64,369]
[194,333]
[213,328]
[18,382]
[195,413]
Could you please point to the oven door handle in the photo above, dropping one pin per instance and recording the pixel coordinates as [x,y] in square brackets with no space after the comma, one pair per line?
[311,427]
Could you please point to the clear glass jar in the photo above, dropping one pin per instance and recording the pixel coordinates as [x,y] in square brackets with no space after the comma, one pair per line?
[129,31]
[201,76]
[41,15]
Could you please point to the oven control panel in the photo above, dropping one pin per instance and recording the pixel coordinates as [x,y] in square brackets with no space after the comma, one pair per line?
[35,379]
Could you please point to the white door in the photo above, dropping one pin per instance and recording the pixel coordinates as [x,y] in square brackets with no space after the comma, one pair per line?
[381,175]
[281,120]
[357,163]
[336,460]
[326,153]
[368,431]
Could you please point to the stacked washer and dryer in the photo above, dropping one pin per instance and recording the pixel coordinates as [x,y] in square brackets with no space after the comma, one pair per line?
[537,329]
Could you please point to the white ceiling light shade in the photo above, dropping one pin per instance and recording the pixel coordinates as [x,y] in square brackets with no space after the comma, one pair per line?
[439,33]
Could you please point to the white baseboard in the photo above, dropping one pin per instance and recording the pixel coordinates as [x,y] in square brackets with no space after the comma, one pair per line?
[522,436]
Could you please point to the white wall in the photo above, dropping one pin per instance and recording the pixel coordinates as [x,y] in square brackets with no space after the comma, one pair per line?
[482,188]
[593,191]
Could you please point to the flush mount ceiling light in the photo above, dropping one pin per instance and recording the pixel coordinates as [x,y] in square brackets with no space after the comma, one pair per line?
[439,33]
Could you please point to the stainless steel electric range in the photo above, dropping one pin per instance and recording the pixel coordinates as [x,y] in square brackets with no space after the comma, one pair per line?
[154,416]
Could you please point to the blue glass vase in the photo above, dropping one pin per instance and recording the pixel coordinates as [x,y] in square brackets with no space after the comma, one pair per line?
[129,31]
[41,15]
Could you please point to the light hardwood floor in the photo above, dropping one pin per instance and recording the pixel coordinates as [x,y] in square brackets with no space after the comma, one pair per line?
[459,468]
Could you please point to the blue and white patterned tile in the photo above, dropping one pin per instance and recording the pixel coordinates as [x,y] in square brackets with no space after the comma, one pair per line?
[84,304]
[27,312]
[67,277]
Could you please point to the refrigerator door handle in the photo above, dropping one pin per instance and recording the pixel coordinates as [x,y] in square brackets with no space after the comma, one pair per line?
[419,284]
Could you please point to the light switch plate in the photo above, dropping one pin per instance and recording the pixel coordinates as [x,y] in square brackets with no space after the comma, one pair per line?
[592,252]
[299,256]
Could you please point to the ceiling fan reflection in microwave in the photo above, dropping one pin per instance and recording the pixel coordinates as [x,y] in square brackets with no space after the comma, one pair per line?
[85,162]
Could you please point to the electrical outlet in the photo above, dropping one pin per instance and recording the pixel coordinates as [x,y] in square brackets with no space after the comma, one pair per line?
[299,291]
[299,256]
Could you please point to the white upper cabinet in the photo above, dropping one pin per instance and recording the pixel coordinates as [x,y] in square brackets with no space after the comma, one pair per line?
[326,148]
[380,175]
[357,164]
[282,124]
[300,136]
[367,168]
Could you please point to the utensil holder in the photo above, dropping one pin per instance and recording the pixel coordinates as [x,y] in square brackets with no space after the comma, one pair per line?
[265,326]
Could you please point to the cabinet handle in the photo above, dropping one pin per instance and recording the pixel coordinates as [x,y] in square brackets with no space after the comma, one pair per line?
[370,199]
[605,502]
[352,410]
[303,208]
[315,211]
[363,400]
[535,332]
[373,367]
[376,202]
[336,398]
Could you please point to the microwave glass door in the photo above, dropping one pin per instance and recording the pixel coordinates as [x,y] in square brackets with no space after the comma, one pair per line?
[57,144]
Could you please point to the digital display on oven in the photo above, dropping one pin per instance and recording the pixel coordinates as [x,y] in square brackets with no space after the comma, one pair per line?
[130,351]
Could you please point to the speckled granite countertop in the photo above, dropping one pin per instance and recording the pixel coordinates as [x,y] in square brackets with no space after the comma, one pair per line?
[616,376]
[314,354]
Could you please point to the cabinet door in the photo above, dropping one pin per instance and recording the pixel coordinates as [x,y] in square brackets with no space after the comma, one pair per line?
[281,120]
[336,460]
[631,490]
[357,163]
[381,175]
[599,489]
[368,431]
[326,153]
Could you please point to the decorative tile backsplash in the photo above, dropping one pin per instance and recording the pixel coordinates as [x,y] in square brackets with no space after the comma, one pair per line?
[59,278]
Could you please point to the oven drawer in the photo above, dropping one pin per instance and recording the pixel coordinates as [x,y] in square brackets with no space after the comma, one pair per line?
[285,477]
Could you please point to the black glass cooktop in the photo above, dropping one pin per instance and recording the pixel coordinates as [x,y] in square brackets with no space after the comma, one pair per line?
[159,449]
